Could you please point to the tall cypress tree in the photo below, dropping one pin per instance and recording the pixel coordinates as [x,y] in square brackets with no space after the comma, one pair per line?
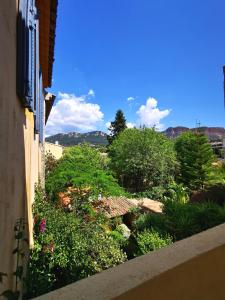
[195,156]
[117,126]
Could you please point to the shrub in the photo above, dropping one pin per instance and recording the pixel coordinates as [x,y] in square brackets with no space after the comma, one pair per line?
[118,237]
[142,159]
[155,221]
[156,193]
[82,166]
[177,192]
[67,248]
[181,220]
[150,240]
[186,220]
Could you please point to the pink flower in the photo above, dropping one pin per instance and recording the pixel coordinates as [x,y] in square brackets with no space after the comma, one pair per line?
[42,226]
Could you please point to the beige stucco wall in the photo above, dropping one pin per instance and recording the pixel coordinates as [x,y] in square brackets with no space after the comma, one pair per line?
[56,150]
[19,148]
[191,269]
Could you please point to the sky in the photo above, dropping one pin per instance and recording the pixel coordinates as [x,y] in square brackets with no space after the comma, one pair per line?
[160,61]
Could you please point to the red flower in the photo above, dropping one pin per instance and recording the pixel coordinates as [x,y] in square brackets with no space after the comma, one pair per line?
[42,226]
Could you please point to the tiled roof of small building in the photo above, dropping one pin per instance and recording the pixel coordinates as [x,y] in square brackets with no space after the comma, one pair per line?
[118,206]
[115,206]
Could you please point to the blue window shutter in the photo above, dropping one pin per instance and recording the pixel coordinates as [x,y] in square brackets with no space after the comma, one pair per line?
[26,64]
[22,51]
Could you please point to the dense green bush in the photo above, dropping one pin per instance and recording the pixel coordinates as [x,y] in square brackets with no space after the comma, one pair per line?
[67,248]
[181,220]
[150,240]
[142,159]
[82,166]
[195,156]
[177,192]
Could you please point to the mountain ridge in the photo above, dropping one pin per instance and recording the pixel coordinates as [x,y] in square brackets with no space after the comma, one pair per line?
[98,137]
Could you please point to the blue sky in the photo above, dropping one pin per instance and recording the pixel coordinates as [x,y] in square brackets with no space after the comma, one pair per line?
[110,50]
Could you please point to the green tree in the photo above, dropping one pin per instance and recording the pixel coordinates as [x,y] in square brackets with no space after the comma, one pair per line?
[117,126]
[195,156]
[82,166]
[142,159]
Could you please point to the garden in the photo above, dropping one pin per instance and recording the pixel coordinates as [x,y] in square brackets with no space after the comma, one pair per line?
[72,240]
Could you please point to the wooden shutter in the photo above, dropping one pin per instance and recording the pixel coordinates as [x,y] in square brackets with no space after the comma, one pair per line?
[26,55]
[22,52]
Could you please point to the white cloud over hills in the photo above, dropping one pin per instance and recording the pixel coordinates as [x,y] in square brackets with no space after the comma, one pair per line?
[72,113]
[150,115]
[77,113]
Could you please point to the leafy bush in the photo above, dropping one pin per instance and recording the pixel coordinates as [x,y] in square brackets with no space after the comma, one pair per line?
[152,221]
[150,240]
[67,248]
[155,193]
[82,166]
[217,174]
[118,237]
[177,192]
[181,220]
[142,159]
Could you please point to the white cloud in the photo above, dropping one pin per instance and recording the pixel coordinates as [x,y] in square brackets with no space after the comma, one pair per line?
[150,115]
[91,93]
[130,125]
[107,124]
[72,113]
[130,99]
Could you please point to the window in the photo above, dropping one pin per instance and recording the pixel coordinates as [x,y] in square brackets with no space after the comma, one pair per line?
[29,77]
[28,54]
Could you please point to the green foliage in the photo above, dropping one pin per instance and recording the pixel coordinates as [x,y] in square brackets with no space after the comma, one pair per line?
[117,126]
[195,156]
[82,166]
[181,220]
[67,247]
[150,240]
[216,174]
[142,159]
[177,192]
[118,237]
[155,193]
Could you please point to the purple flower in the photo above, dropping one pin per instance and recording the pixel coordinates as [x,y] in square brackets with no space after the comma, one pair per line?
[42,226]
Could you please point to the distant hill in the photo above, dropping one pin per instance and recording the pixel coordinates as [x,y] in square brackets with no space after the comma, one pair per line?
[75,138]
[213,133]
[100,138]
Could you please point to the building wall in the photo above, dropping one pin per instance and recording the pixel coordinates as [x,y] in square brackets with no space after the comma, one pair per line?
[55,150]
[19,147]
